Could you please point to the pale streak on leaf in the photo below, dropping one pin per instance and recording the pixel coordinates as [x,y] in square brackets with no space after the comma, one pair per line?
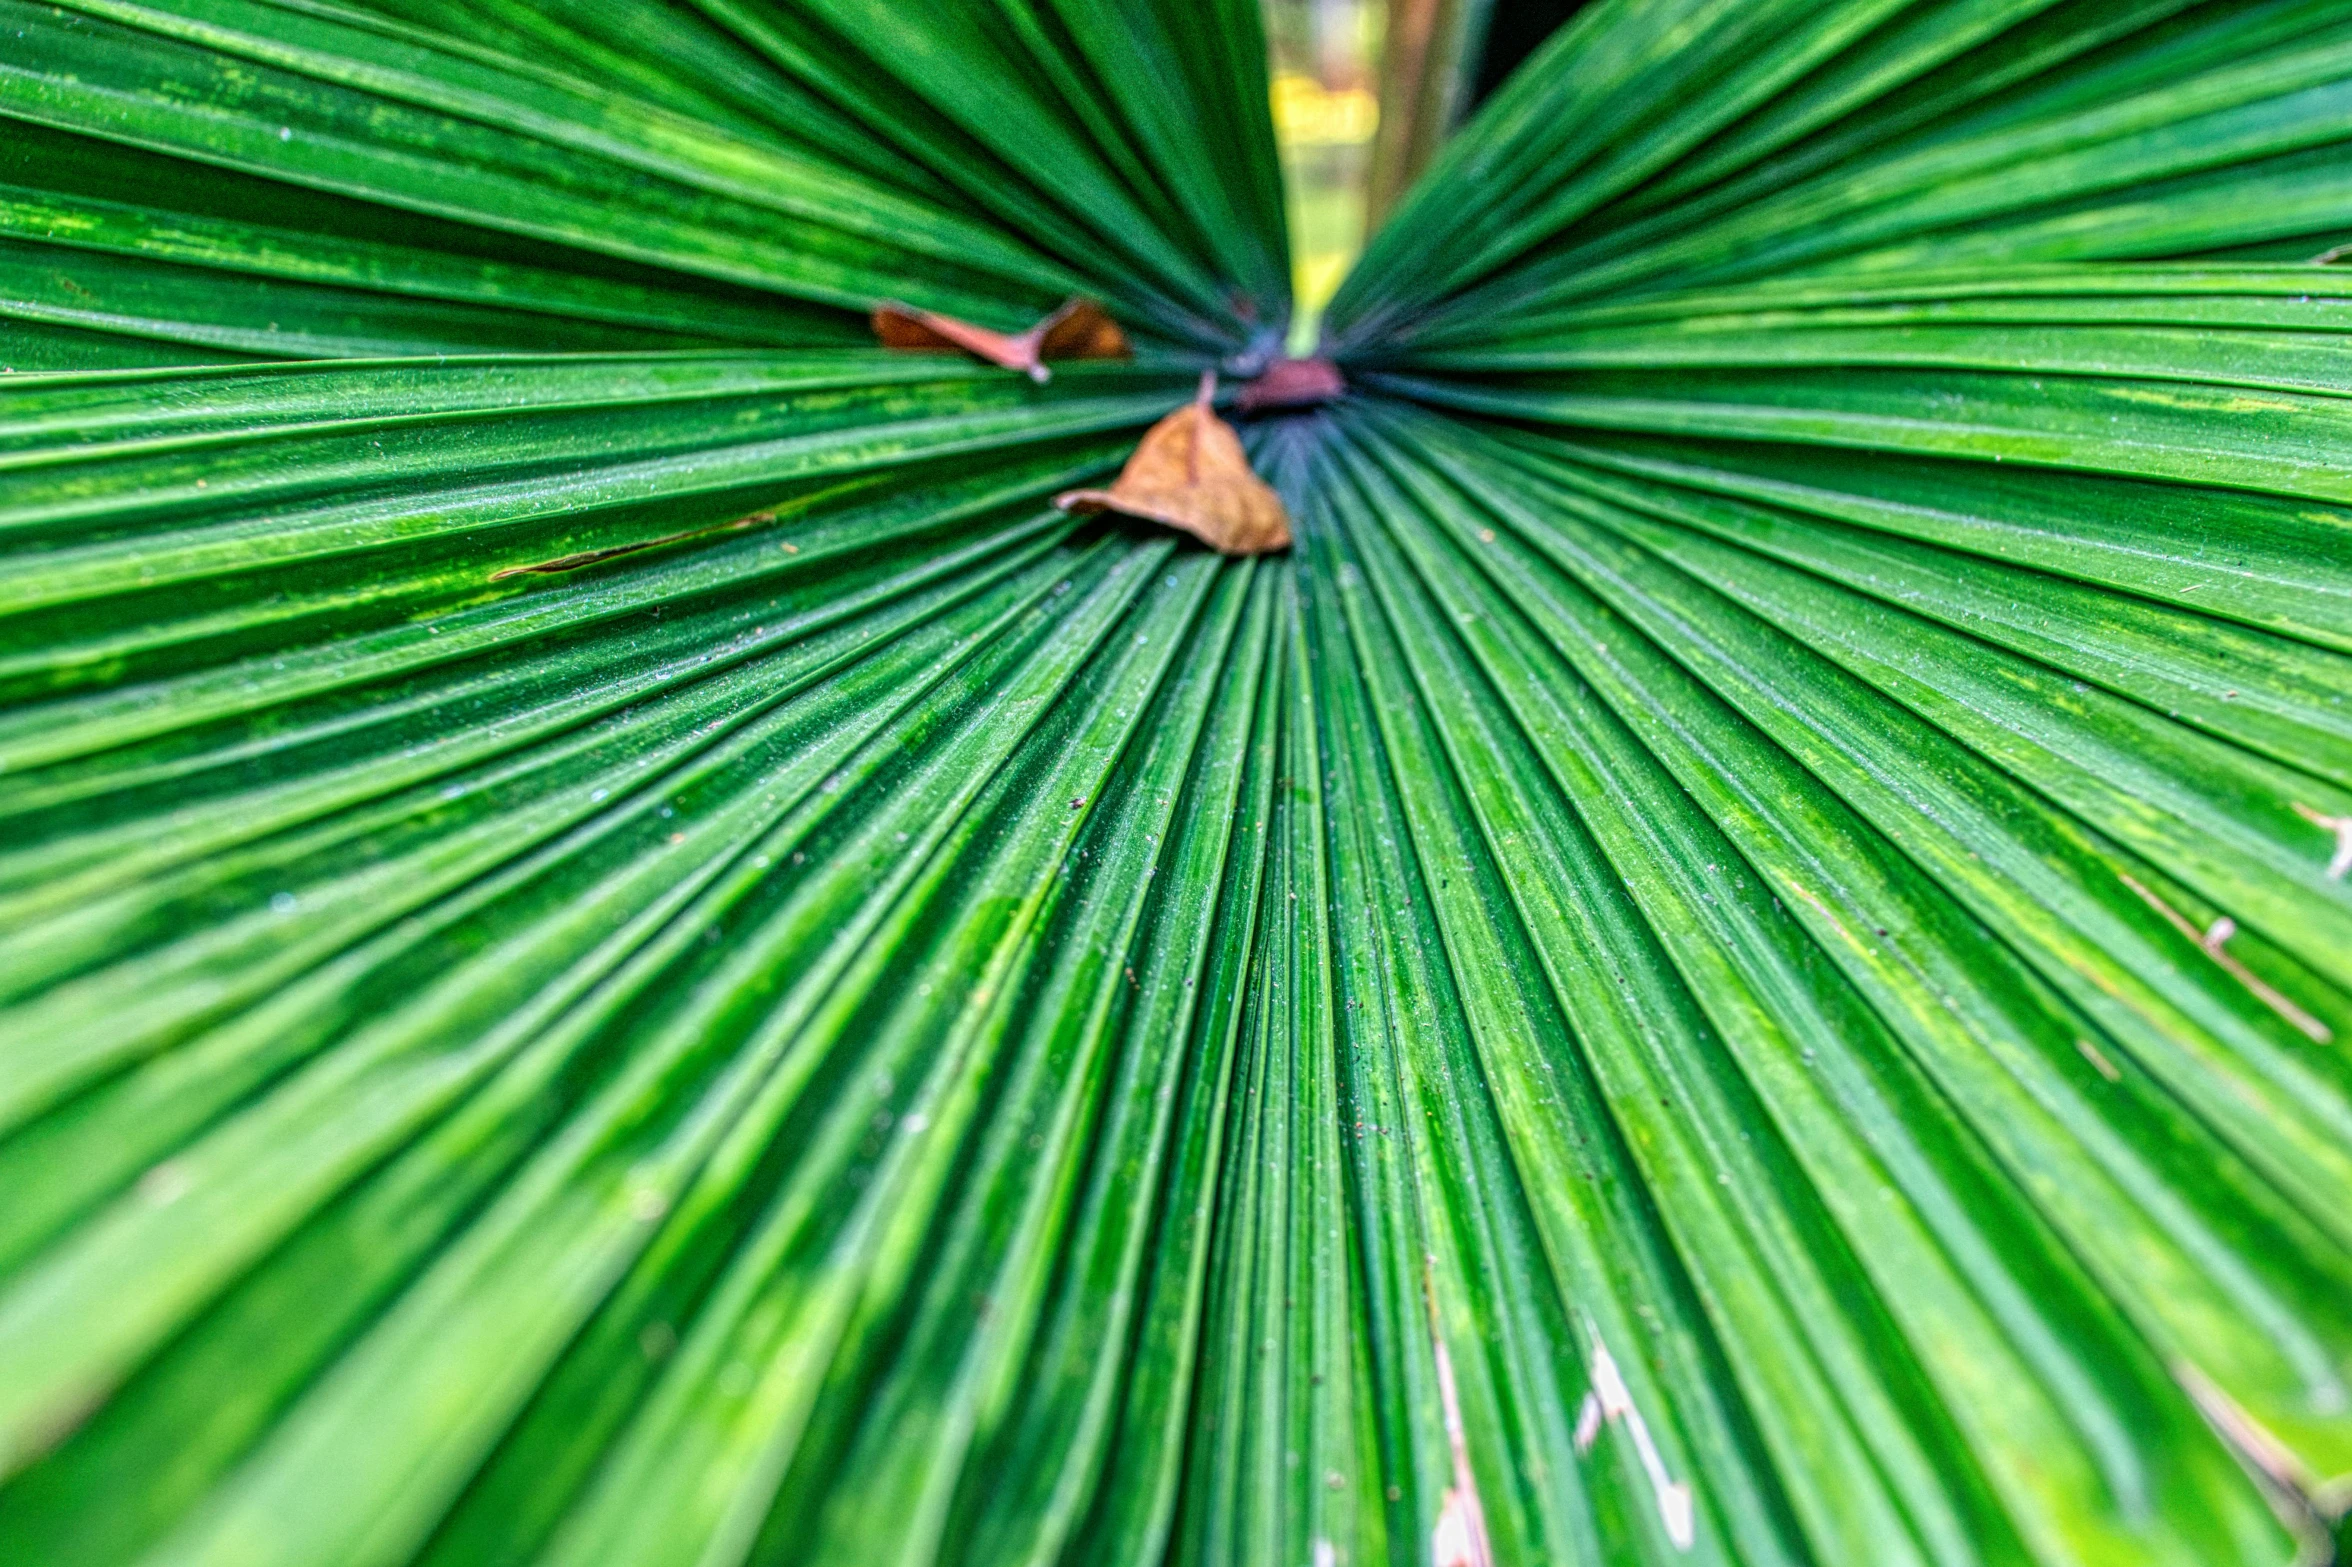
[2252,1440]
[2341,861]
[1459,1540]
[2211,941]
[1610,1399]
[2098,1060]
[574,562]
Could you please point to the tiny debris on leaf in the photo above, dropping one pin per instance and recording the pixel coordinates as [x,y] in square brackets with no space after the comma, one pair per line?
[1080,329]
[2214,940]
[1190,472]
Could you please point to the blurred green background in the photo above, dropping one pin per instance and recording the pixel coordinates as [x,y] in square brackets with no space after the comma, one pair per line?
[1326,56]
[1364,91]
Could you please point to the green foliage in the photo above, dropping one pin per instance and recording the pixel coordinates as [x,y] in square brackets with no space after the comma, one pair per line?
[618,946]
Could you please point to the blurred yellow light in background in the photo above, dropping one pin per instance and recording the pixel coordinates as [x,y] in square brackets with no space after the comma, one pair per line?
[1325,57]
[1308,114]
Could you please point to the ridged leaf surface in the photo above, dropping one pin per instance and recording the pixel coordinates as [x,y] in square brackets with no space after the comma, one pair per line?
[618,945]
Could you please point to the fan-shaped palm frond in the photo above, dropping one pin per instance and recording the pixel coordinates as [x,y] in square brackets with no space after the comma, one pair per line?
[619,945]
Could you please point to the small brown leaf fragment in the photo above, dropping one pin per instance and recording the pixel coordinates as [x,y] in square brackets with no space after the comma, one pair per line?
[1190,472]
[905,327]
[1081,329]
[1294,383]
[1078,330]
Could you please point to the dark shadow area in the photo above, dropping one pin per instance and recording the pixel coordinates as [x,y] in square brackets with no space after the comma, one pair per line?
[1514,29]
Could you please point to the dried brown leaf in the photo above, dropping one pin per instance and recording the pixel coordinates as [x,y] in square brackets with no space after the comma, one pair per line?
[1293,383]
[1080,329]
[1190,472]
[905,327]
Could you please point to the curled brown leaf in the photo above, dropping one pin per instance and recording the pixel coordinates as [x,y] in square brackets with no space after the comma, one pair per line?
[1190,472]
[1081,329]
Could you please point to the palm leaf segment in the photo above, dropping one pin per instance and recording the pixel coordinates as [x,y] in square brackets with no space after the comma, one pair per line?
[1743,956]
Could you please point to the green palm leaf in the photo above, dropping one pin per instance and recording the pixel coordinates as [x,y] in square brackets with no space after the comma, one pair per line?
[617,944]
